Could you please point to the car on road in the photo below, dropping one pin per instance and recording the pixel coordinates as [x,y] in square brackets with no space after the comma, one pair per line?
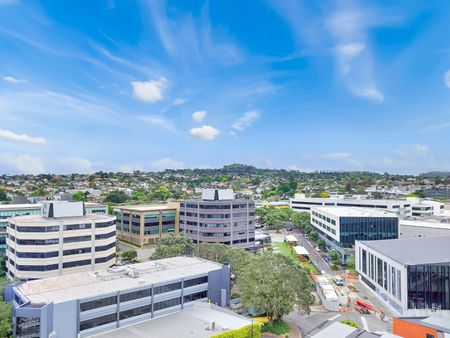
[362,310]
[326,259]
[317,249]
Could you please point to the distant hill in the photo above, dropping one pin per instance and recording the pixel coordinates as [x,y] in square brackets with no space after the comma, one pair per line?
[436,174]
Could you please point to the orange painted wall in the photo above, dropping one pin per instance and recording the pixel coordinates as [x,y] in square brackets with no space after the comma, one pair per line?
[407,329]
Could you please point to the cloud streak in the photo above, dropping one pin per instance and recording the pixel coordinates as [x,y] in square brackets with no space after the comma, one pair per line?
[9,135]
[246,120]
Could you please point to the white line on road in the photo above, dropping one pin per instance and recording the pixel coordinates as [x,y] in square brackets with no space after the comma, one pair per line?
[333,318]
[364,322]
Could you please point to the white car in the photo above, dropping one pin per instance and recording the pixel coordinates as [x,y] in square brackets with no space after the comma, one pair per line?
[318,249]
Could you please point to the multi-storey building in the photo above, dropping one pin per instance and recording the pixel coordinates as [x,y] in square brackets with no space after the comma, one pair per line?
[87,303]
[144,224]
[13,210]
[62,239]
[340,227]
[219,218]
[410,275]
[400,207]
[426,208]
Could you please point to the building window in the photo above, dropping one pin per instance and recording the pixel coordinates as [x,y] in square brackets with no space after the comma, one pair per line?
[94,304]
[77,226]
[77,239]
[166,304]
[195,281]
[103,236]
[135,312]
[76,263]
[105,259]
[195,296]
[135,295]
[167,288]
[99,321]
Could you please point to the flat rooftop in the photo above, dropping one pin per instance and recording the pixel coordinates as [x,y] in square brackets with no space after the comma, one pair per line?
[425,224]
[354,212]
[414,251]
[40,220]
[144,207]
[39,205]
[191,322]
[89,284]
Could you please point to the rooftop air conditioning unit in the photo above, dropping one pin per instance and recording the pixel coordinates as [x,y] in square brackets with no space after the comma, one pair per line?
[133,273]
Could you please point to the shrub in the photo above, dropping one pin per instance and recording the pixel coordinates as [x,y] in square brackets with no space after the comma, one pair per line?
[278,327]
[235,295]
[243,332]
[350,323]
[130,254]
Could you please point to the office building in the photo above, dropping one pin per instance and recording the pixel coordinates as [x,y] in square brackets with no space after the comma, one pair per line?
[425,228]
[145,224]
[62,239]
[411,276]
[219,218]
[401,207]
[87,303]
[340,227]
[425,208]
[13,210]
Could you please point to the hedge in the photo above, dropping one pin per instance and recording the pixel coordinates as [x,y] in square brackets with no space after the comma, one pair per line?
[244,332]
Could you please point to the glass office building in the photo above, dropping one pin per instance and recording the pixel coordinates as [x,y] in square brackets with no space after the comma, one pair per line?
[411,275]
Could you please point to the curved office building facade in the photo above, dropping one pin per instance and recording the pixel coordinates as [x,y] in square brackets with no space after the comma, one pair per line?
[39,246]
[219,219]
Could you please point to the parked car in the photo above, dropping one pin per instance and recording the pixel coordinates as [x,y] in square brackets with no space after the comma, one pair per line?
[327,259]
[318,249]
[362,310]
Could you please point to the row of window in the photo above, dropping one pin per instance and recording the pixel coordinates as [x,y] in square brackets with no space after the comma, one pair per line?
[52,267]
[52,241]
[55,228]
[56,253]
[216,206]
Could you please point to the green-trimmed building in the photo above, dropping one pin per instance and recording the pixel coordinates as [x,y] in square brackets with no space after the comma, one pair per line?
[145,224]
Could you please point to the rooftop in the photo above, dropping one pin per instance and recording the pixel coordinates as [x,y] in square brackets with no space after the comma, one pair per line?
[89,284]
[191,322]
[144,207]
[39,220]
[432,250]
[39,206]
[354,212]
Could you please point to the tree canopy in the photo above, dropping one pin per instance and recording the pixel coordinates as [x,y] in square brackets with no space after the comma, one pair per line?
[172,246]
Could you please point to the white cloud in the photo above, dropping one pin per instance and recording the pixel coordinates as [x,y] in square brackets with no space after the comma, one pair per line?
[246,120]
[336,156]
[167,163]
[74,164]
[129,168]
[370,93]
[206,133]
[350,49]
[22,163]
[150,91]
[13,80]
[447,78]
[233,134]
[9,135]
[178,101]
[158,120]
[199,116]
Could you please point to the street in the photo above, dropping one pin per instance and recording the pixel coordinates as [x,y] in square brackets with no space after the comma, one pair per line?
[317,259]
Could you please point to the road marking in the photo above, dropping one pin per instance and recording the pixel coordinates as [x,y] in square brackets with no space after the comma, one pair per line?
[333,318]
[364,322]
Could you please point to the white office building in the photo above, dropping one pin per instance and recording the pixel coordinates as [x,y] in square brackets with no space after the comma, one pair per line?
[302,203]
[411,276]
[340,227]
[63,239]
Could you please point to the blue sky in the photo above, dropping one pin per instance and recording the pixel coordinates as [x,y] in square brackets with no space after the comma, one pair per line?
[124,85]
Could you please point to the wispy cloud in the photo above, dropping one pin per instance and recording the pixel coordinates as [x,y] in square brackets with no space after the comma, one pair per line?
[13,80]
[74,164]
[9,135]
[205,133]
[158,120]
[447,78]
[167,163]
[435,127]
[150,91]
[22,163]
[246,120]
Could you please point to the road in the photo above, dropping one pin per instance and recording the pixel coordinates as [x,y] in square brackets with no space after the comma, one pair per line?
[317,259]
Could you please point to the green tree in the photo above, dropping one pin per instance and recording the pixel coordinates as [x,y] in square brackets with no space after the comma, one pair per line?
[5,311]
[129,255]
[80,196]
[350,262]
[116,196]
[325,194]
[321,244]
[335,258]
[274,284]
[301,220]
[3,196]
[172,246]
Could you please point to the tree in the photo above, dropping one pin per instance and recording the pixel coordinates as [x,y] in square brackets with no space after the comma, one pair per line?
[274,284]
[129,255]
[321,244]
[116,196]
[350,262]
[3,196]
[325,194]
[5,311]
[173,246]
[335,258]
[300,220]
[80,196]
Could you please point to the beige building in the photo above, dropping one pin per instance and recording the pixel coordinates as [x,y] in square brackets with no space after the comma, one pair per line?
[62,240]
[145,224]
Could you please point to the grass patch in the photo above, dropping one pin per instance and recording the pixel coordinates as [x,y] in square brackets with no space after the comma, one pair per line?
[349,323]
[283,248]
[277,327]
